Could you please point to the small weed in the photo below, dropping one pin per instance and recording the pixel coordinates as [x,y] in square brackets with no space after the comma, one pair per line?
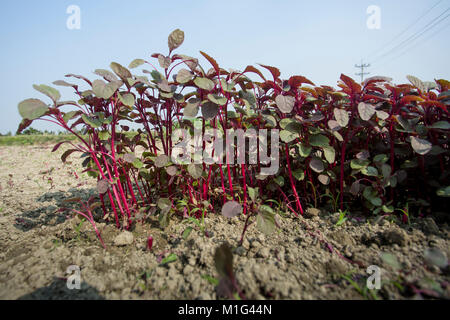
[210,279]
[342,217]
[365,292]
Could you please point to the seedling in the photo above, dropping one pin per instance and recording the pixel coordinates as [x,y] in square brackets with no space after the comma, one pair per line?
[78,228]
[223,260]
[170,258]
[342,217]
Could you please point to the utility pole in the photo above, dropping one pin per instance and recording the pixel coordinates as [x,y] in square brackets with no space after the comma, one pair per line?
[362,73]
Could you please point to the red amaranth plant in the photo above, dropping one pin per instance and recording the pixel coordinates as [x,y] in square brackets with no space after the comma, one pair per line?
[358,144]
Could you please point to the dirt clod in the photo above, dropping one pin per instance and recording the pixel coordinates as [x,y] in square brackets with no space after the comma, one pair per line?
[123,239]
[312,212]
[295,262]
[396,236]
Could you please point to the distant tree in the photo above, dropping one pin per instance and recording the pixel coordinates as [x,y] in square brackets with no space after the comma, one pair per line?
[32,132]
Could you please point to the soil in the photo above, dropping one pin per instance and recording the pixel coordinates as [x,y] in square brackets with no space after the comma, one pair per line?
[305,259]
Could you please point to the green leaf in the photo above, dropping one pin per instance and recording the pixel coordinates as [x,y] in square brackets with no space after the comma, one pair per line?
[210,279]
[366,111]
[288,136]
[285,122]
[249,98]
[191,108]
[48,91]
[252,193]
[204,83]
[416,82]
[195,170]
[187,232]
[324,179]
[304,150]
[63,83]
[217,99]
[421,146]
[280,181]
[122,72]
[227,87]
[32,109]
[164,203]
[317,165]
[170,258]
[382,115]
[164,62]
[285,103]
[341,116]
[386,170]
[266,220]
[108,75]
[358,164]
[271,122]
[171,171]
[69,116]
[184,76]
[104,135]
[299,174]
[136,63]
[92,122]
[164,86]
[380,158]
[370,171]
[127,99]
[293,126]
[176,39]
[338,136]
[161,161]
[377,202]
[354,189]
[210,110]
[319,140]
[103,90]
[369,193]
[137,163]
[333,125]
[404,123]
[444,125]
[330,154]
[444,192]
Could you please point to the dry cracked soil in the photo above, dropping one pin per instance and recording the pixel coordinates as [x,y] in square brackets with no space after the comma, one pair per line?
[307,258]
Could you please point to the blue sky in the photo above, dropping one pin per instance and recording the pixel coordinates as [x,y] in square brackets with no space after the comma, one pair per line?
[317,39]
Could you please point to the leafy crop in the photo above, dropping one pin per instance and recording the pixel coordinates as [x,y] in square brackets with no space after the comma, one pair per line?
[373,144]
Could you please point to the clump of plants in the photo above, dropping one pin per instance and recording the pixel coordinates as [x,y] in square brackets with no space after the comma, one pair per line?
[375,144]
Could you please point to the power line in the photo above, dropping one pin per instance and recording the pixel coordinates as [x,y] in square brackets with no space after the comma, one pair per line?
[415,36]
[420,43]
[406,29]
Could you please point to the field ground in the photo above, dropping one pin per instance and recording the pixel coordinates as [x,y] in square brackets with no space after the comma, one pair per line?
[38,243]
